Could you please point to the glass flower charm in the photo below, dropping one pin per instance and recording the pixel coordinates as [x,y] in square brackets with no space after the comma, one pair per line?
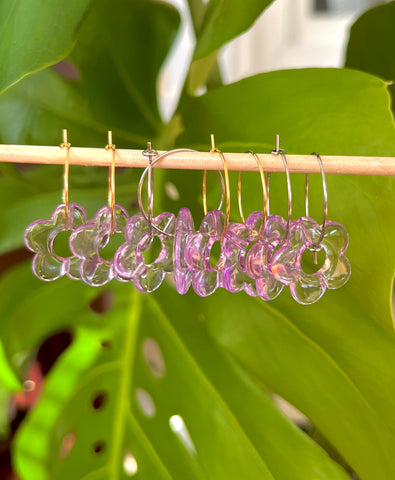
[87,241]
[40,237]
[286,265]
[198,251]
[129,259]
[183,230]
[258,258]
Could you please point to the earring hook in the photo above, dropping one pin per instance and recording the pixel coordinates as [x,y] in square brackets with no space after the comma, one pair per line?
[204,185]
[147,169]
[315,247]
[280,151]
[65,194]
[111,181]
[265,193]
[227,187]
[150,153]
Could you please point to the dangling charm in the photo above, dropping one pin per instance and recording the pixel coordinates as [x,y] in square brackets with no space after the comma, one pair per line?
[140,233]
[205,277]
[307,234]
[40,237]
[129,260]
[184,228]
[87,241]
[259,257]
[41,234]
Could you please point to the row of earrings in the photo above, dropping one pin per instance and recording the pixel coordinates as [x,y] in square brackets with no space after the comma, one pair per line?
[259,255]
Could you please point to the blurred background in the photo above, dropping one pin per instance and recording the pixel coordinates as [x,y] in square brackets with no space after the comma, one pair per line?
[290,34]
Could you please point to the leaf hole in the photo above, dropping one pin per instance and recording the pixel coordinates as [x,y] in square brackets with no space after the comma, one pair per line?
[98,447]
[67,69]
[177,425]
[29,385]
[172,191]
[154,358]
[103,302]
[297,417]
[130,466]
[106,344]
[67,445]
[145,402]
[99,400]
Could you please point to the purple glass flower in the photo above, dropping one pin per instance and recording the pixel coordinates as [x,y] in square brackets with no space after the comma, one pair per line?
[257,261]
[307,288]
[205,277]
[237,240]
[129,259]
[87,241]
[183,230]
[40,236]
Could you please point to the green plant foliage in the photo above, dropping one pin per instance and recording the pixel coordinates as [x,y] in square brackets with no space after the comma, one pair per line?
[356,313]
[105,82]
[225,19]
[109,357]
[213,362]
[372,42]
[31,40]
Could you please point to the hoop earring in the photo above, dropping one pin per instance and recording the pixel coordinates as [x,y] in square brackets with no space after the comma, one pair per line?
[238,239]
[307,234]
[205,277]
[184,229]
[274,234]
[87,241]
[140,232]
[40,235]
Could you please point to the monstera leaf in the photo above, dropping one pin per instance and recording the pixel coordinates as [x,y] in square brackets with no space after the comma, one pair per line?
[163,385]
[331,360]
[139,388]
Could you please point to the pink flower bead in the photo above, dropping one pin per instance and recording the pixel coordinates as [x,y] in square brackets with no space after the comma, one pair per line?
[259,256]
[205,278]
[40,237]
[87,241]
[129,259]
[183,230]
[307,288]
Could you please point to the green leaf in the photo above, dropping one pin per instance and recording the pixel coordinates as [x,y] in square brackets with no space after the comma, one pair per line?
[372,42]
[26,28]
[225,20]
[332,360]
[105,83]
[249,437]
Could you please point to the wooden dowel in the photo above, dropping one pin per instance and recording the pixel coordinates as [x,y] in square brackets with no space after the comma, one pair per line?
[384,166]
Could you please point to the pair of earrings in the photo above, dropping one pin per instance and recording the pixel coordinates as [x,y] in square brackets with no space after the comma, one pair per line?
[259,255]
[87,237]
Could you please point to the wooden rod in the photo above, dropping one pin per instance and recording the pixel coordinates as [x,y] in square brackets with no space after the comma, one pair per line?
[384,166]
